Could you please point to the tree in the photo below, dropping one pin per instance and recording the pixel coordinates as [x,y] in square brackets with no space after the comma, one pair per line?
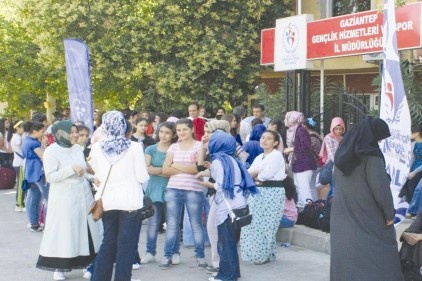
[19,71]
[151,54]
[207,51]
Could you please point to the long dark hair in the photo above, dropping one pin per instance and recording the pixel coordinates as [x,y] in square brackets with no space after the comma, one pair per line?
[187,122]
[171,126]
[3,129]
[289,188]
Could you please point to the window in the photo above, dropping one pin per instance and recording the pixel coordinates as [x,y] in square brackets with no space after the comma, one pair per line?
[344,7]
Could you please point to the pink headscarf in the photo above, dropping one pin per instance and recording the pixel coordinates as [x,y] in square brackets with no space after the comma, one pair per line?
[292,121]
[337,121]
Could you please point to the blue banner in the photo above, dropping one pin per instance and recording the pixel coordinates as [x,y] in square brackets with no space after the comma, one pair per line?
[394,108]
[79,81]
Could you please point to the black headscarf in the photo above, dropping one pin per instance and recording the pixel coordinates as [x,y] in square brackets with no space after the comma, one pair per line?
[61,131]
[361,140]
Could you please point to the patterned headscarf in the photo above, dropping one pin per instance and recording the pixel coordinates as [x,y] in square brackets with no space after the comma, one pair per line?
[115,144]
[222,146]
[293,120]
[61,131]
[337,121]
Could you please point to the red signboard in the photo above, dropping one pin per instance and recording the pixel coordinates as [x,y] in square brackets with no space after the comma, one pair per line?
[354,34]
[361,33]
[267,46]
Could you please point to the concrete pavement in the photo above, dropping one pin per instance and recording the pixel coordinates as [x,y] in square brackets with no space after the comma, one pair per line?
[19,251]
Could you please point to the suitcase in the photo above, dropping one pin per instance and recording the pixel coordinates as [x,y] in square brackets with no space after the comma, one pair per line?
[7,178]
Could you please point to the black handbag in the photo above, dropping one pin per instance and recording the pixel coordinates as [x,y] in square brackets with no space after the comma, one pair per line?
[147,210]
[239,218]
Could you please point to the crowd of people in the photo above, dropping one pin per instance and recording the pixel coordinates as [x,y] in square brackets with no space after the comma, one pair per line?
[196,170]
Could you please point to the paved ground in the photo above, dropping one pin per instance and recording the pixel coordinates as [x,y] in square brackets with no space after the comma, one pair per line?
[19,251]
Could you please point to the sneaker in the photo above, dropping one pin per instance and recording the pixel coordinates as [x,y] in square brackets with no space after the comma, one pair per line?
[166,263]
[201,263]
[58,276]
[136,266]
[148,258]
[18,209]
[135,279]
[212,269]
[37,228]
[214,279]
[176,259]
[87,275]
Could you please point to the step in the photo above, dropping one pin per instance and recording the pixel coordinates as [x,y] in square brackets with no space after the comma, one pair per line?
[305,237]
[317,240]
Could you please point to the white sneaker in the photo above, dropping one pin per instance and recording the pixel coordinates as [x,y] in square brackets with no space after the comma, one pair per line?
[18,209]
[148,258]
[58,276]
[136,266]
[176,259]
[135,279]
[87,275]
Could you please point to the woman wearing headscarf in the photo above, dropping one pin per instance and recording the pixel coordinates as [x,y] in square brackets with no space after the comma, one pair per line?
[363,238]
[233,184]
[258,240]
[119,164]
[252,146]
[301,160]
[68,241]
[329,147]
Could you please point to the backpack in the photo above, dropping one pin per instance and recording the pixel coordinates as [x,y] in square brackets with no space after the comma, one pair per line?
[311,213]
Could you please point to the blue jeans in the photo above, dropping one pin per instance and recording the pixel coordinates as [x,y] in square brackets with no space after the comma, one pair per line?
[153,226]
[193,201]
[229,269]
[37,193]
[286,223]
[119,245]
[187,228]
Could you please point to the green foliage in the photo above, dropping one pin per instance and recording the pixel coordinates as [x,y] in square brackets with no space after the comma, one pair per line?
[157,55]
[275,104]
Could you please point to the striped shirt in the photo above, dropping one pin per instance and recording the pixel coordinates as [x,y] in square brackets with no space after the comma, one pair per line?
[186,157]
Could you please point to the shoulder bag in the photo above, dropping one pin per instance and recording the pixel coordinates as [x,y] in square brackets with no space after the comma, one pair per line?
[239,218]
[97,209]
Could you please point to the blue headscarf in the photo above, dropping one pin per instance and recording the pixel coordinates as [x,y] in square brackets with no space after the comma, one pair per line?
[257,132]
[222,147]
[252,146]
[115,144]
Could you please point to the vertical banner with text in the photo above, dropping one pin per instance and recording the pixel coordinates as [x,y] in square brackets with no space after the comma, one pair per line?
[79,81]
[394,108]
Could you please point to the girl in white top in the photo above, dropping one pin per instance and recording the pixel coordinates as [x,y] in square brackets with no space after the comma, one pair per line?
[18,161]
[257,240]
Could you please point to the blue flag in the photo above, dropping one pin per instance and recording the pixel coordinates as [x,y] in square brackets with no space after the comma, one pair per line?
[395,111]
[79,81]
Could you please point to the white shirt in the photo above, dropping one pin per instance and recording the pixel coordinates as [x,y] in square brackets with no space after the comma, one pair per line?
[238,201]
[124,186]
[270,167]
[16,144]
